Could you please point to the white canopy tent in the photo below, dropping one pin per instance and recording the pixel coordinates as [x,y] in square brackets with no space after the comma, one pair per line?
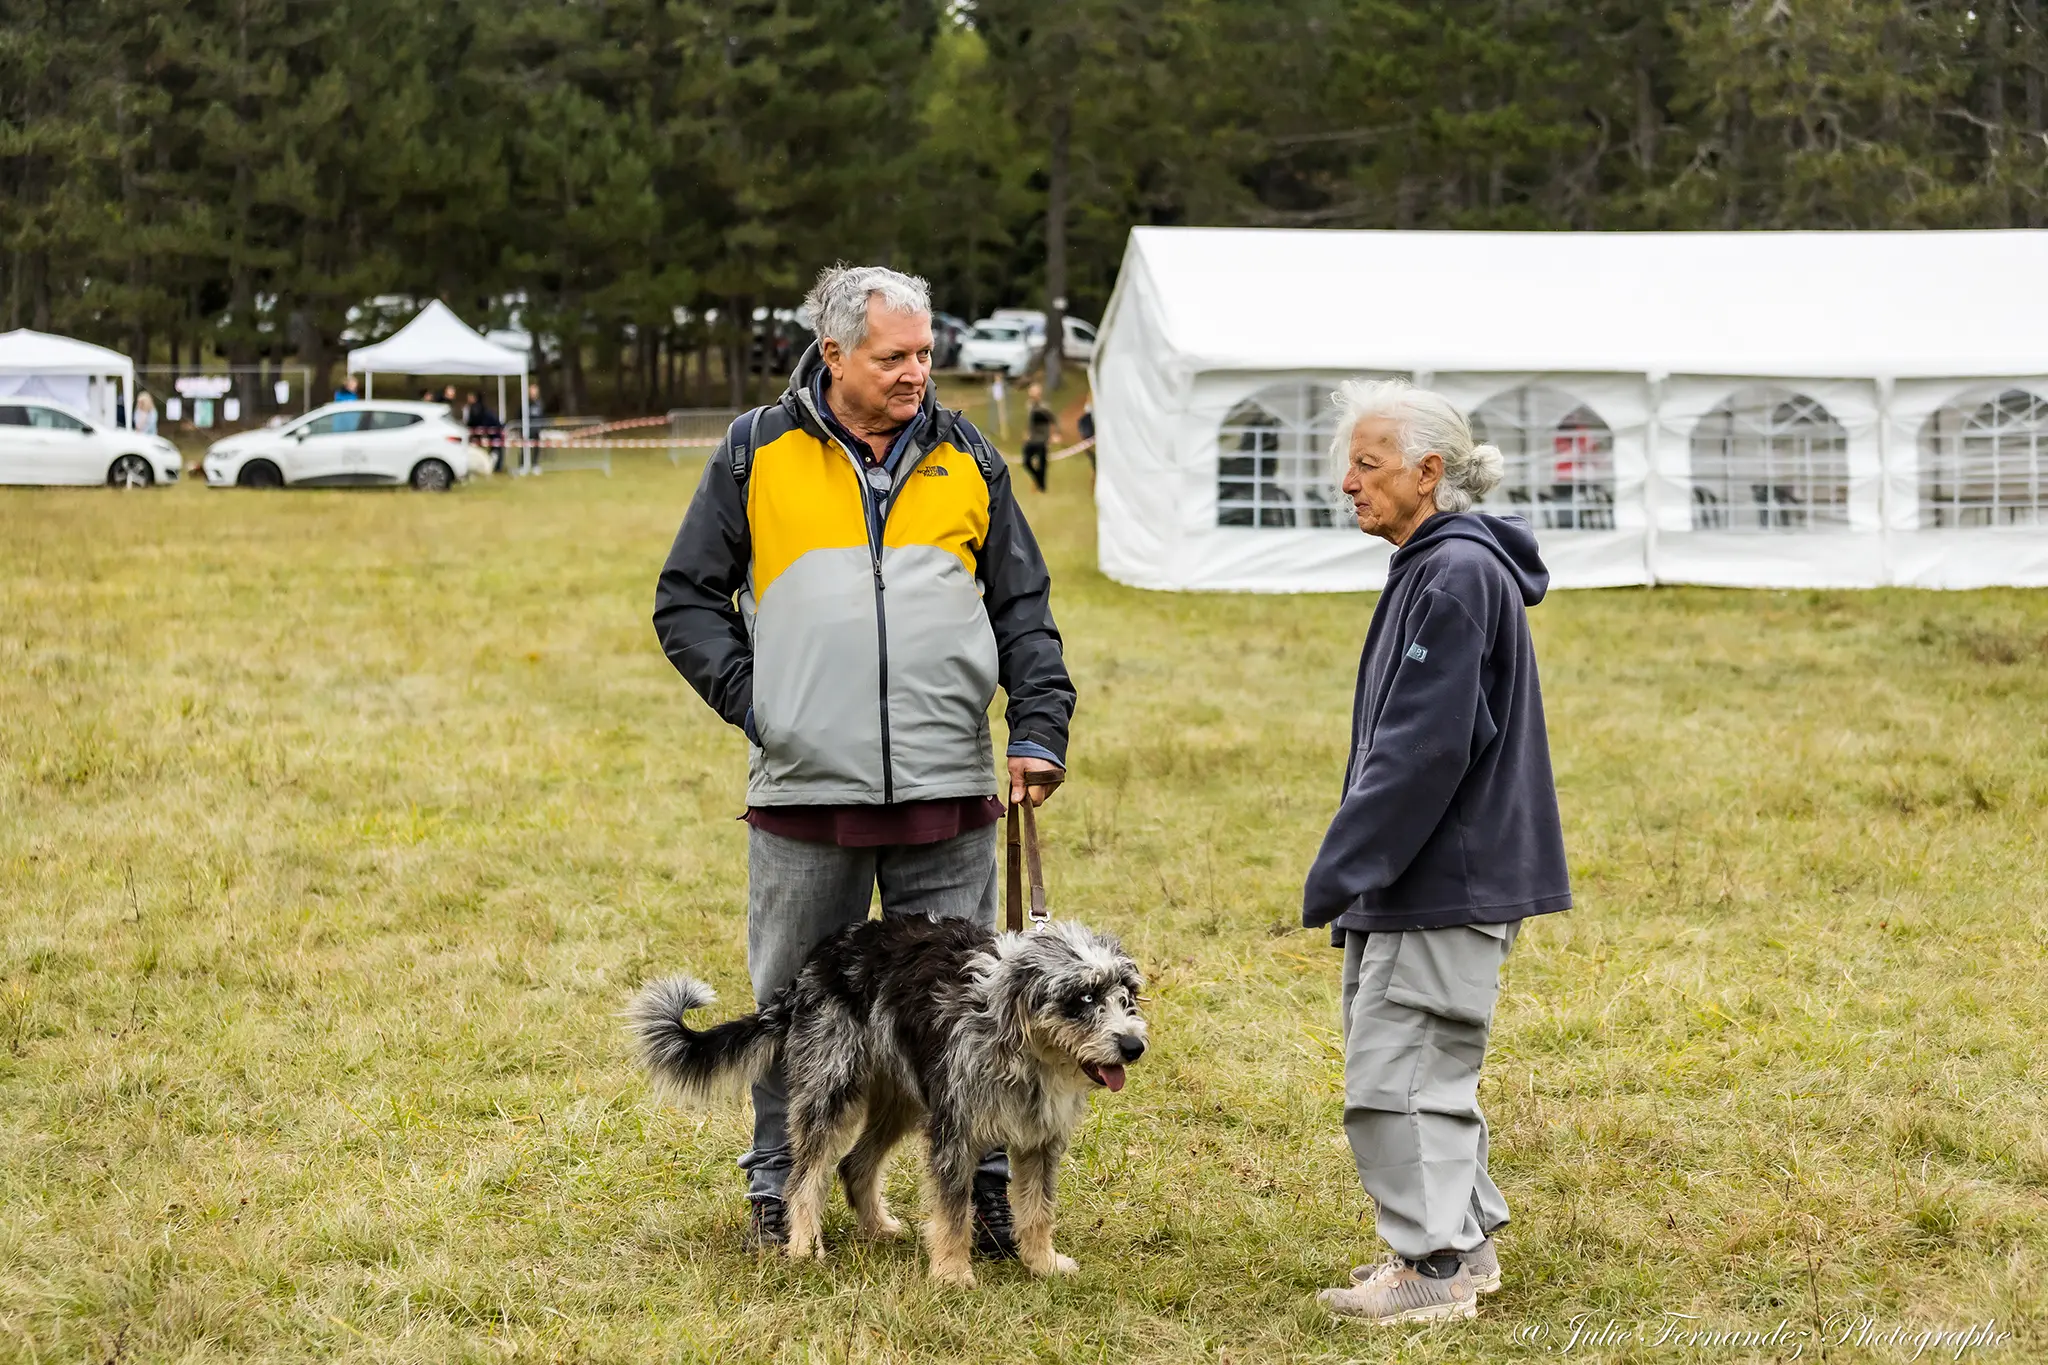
[75,373]
[438,342]
[1757,409]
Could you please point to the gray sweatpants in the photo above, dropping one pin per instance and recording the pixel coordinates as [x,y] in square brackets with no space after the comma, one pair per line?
[799,894]
[1417,1009]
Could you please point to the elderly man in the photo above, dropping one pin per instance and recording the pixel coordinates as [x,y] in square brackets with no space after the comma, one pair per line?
[851,582]
[1446,840]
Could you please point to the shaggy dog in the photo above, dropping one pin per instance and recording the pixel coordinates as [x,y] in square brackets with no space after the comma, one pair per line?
[984,1040]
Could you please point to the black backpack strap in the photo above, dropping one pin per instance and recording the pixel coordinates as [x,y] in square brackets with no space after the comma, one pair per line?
[964,432]
[739,447]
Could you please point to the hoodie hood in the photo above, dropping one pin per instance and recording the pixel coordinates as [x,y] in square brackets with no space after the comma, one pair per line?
[1509,538]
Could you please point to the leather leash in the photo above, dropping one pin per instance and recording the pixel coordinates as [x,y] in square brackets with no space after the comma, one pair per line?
[1013,902]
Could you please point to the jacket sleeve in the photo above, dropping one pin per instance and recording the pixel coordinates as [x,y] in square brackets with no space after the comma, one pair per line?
[1017,591]
[695,616]
[1435,720]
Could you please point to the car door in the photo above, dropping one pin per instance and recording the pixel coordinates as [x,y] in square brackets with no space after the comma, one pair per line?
[323,449]
[388,445]
[71,449]
[24,455]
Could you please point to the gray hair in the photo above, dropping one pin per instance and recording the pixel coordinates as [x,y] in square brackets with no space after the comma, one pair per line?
[1426,421]
[838,302]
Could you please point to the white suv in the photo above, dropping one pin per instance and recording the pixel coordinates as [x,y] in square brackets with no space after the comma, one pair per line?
[46,442]
[373,441]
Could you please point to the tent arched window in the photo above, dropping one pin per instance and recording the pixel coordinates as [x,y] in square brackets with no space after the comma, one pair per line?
[1769,459]
[1559,456]
[1273,466]
[1986,464]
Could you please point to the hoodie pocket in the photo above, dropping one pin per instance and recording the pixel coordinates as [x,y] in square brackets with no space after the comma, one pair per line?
[1452,973]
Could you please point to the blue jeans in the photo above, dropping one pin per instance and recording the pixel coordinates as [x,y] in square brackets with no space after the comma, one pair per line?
[799,894]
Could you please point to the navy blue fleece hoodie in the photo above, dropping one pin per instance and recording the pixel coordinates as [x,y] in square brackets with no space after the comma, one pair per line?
[1450,812]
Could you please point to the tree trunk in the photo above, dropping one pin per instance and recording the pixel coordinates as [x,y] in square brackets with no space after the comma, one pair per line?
[1994,112]
[738,324]
[572,357]
[1056,178]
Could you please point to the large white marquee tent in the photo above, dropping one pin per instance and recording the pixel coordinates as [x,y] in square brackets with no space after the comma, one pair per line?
[1757,409]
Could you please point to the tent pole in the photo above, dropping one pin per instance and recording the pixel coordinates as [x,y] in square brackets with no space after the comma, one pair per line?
[369,384]
[128,400]
[501,423]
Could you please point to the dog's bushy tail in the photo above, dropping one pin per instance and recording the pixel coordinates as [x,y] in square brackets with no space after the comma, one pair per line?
[692,1065]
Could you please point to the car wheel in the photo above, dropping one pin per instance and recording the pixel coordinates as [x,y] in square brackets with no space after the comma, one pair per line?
[131,471]
[432,476]
[260,474]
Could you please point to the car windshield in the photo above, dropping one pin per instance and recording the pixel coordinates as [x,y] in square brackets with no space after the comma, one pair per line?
[995,334]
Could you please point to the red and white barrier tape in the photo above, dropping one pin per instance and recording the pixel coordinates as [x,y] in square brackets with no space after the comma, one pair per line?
[712,442]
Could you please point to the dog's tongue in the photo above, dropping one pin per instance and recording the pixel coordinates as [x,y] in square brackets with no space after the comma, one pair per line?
[1112,1076]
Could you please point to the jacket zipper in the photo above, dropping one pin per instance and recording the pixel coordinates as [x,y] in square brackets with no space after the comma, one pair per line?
[875,529]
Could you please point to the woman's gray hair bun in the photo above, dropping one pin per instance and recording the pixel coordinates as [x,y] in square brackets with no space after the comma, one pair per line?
[1427,421]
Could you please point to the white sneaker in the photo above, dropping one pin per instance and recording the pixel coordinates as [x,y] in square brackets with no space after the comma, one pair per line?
[1403,1294]
[1483,1261]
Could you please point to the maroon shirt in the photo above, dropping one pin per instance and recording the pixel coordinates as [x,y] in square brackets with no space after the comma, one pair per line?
[905,822]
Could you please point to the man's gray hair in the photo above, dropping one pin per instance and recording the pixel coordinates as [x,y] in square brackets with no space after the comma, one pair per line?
[1425,421]
[838,302]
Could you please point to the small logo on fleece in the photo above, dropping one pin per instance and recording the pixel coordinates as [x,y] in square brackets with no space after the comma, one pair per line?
[934,471]
[1417,653]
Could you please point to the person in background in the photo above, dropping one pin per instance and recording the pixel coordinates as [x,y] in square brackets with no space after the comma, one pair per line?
[145,414]
[999,401]
[485,429]
[456,409]
[1446,839]
[427,394]
[348,392]
[1039,430]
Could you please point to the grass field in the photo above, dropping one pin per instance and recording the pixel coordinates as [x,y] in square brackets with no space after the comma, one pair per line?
[335,829]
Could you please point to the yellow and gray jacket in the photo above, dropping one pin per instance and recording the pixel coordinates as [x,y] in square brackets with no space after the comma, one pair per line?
[856,621]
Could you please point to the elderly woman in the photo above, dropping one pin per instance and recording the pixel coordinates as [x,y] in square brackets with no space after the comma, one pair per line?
[1447,839]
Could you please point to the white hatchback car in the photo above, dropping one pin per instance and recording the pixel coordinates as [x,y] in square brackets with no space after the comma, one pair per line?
[1006,346]
[46,442]
[343,445]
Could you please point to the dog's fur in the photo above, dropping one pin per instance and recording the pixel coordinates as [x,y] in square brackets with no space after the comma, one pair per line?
[984,1040]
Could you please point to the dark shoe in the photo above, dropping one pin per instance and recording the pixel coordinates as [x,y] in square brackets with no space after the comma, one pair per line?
[767,1225]
[995,1237]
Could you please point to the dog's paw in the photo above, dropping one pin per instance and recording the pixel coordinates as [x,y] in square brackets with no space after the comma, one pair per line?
[884,1229]
[804,1251]
[956,1277]
[1056,1265]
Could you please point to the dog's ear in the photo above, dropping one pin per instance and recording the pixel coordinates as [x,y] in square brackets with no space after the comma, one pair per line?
[1007,991]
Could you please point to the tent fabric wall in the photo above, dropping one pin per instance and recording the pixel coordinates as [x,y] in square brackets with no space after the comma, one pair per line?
[1706,442]
[1924,555]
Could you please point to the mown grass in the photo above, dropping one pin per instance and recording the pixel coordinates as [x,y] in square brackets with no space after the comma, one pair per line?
[336,827]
